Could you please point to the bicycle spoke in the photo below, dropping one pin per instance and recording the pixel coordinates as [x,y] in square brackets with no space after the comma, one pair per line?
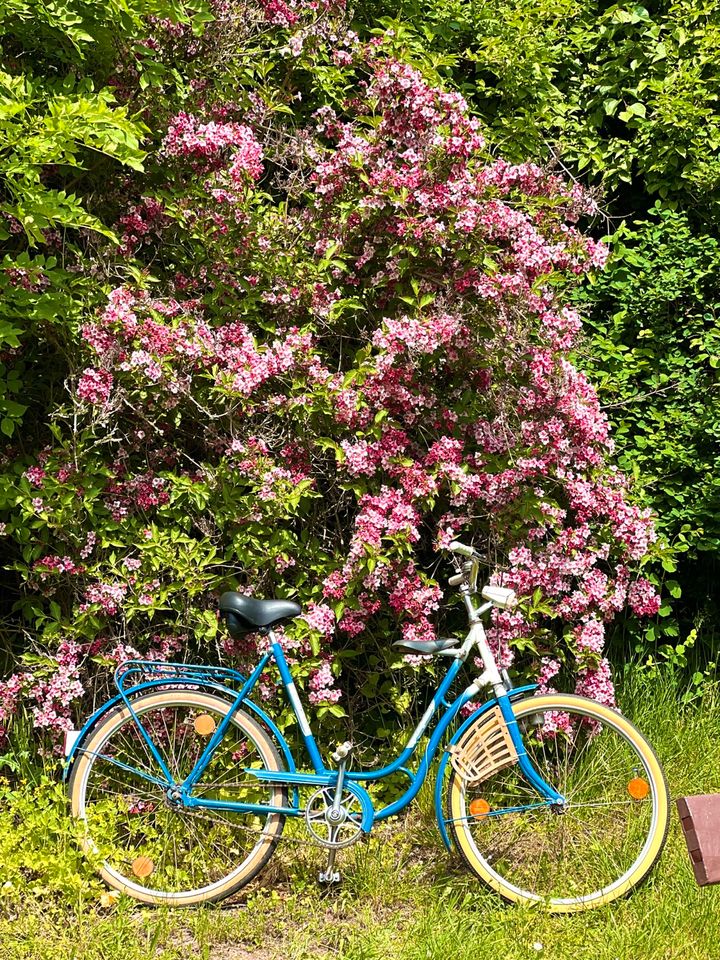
[561,851]
[148,836]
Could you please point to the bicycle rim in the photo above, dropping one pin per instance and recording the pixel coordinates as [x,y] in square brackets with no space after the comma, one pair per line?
[598,846]
[151,849]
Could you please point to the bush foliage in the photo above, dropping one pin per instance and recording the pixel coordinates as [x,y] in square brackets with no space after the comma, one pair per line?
[283,320]
[624,96]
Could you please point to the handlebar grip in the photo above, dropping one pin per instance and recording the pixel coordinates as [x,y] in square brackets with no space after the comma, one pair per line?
[462,549]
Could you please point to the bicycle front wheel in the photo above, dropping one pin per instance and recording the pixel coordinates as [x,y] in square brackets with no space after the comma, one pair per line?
[152,848]
[596,847]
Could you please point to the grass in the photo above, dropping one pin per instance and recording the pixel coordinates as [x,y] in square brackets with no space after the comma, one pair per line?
[402,897]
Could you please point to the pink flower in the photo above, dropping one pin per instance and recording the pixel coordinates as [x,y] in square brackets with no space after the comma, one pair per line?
[322,686]
[643,598]
[109,596]
[207,142]
[596,683]
[35,475]
[89,545]
[94,386]
[590,637]
[320,617]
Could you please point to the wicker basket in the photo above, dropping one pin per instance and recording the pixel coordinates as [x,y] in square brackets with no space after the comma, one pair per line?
[485,749]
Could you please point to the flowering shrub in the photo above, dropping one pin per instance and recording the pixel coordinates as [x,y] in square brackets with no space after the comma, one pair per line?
[341,342]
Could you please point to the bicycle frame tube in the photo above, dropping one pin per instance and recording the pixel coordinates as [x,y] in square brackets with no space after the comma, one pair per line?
[402,758]
[277,654]
[418,778]
[289,684]
[323,775]
[205,757]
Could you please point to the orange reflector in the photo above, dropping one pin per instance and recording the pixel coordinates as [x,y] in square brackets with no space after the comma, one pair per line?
[479,807]
[638,788]
[143,867]
[204,725]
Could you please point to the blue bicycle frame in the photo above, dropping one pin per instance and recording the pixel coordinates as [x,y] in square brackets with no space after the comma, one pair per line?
[216,679]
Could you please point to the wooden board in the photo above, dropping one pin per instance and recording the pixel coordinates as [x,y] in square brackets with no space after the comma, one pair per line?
[700,821]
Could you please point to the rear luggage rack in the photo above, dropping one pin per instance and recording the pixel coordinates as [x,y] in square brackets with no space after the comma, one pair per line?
[133,673]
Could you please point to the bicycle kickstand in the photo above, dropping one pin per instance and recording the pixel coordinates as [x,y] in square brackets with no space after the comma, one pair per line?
[334,815]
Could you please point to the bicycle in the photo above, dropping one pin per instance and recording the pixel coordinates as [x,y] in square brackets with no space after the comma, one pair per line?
[182,784]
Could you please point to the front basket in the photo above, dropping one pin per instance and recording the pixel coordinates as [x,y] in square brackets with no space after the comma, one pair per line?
[486,748]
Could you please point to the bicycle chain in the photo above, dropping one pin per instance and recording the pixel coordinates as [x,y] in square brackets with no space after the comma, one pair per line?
[282,839]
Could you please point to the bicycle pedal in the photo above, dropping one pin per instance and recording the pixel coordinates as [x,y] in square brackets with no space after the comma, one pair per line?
[329,876]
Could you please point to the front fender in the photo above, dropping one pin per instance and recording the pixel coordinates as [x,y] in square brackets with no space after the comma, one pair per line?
[218,688]
[516,694]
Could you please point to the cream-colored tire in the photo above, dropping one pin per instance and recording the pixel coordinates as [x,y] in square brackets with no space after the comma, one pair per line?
[596,848]
[130,828]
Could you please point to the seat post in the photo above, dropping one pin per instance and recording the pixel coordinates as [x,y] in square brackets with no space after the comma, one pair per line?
[295,703]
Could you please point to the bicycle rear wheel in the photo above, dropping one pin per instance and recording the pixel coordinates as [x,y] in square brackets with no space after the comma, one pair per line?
[157,851]
[597,847]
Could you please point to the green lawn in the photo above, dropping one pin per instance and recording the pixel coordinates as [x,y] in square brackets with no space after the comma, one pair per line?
[402,896]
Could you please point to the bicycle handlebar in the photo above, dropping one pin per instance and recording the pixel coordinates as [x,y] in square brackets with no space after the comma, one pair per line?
[470,570]
[501,597]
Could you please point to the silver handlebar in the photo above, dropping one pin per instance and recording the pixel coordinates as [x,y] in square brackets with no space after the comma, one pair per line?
[470,568]
[501,597]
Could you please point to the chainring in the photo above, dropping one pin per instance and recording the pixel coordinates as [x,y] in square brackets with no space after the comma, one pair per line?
[330,829]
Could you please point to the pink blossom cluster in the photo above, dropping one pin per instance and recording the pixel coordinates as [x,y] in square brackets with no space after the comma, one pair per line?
[48,697]
[389,514]
[94,386]
[364,457]
[596,682]
[144,491]
[288,13]
[141,220]
[549,669]
[48,565]
[89,545]
[207,143]
[33,279]
[109,596]
[322,686]
[643,598]
[418,335]
[51,698]
[590,637]
[166,343]
[35,475]
[321,618]
[279,13]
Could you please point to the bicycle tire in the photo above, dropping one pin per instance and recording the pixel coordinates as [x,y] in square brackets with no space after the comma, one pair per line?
[501,868]
[91,757]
